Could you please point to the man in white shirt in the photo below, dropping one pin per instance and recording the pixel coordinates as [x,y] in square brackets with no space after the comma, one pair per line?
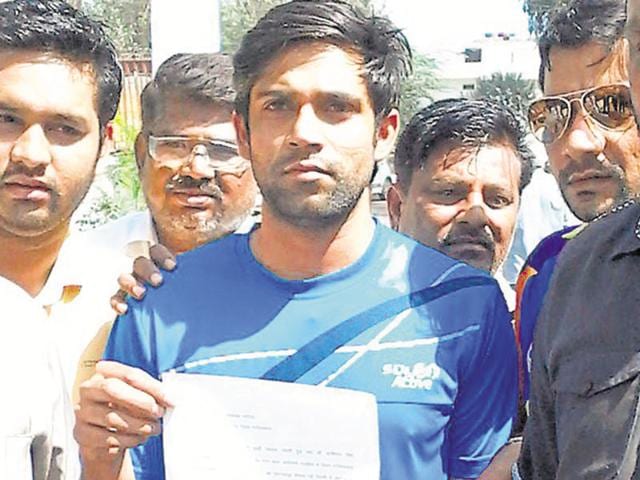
[35,414]
[59,88]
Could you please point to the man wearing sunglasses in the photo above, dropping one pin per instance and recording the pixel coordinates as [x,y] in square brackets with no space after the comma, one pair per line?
[587,124]
[583,390]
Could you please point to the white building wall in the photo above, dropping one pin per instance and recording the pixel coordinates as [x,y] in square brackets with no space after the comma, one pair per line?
[187,26]
[505,56]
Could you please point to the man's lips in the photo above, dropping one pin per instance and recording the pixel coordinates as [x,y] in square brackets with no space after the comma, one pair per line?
[587,184]
[306,168]
[468,244]
[589,175]
[193,197]
[21,187]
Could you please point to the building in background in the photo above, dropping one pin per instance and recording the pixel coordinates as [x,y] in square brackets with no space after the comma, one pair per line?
[460,69]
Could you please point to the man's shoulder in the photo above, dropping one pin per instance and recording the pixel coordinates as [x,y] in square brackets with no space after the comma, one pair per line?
[459,285]
[551,246]
[425,259]
[613,233]
[115,235]
[204,266]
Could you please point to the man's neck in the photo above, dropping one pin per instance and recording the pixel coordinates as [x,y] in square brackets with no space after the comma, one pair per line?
[180,240]
[27,261]
[296,253]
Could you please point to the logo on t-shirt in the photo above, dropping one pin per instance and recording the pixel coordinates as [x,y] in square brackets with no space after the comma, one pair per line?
[419,376]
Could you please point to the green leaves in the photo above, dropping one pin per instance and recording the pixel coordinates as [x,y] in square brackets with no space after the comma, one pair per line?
[510,89]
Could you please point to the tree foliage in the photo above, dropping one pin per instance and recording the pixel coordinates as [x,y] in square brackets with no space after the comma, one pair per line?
[510,89]
[538,12]
[417,89]
[127,22]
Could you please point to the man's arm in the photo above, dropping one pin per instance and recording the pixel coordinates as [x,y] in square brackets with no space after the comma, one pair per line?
[539,457]
[121,405]
[487,396]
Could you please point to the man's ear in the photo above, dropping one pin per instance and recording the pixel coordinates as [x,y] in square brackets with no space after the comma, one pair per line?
[140,149]
[394,206]
[242,136]
[386,134]
[106,144]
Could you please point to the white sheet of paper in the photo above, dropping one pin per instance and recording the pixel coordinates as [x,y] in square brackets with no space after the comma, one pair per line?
[228,428]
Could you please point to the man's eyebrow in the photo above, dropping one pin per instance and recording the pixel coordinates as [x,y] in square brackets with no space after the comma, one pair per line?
[343,96]
[272,93]
[446,180]
[278,93]
[60,117]
[7,108]
[69,118]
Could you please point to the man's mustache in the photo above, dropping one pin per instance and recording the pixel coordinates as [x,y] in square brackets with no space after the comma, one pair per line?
[606,169]
[479,237]
[20,169]
[206,186]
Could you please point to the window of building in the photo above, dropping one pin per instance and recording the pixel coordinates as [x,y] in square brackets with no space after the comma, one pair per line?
[472,55]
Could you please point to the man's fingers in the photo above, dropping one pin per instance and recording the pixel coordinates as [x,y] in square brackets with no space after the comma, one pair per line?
[139,381]
[97,437]
[119,302]
[107,416]
[129,284]
[162,257]
[146,271]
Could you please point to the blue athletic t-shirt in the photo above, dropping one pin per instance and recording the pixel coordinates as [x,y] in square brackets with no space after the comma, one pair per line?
[444,374]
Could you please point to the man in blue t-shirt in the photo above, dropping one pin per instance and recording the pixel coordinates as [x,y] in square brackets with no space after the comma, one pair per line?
[318,84]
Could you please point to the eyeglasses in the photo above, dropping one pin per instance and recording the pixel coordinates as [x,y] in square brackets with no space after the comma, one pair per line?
[609,106]
[176,152]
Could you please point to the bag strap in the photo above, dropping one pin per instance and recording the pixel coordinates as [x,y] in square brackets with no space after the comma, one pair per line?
[295,366]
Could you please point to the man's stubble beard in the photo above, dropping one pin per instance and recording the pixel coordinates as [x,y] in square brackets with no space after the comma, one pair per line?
[623,194]
[328,209]
[34,226]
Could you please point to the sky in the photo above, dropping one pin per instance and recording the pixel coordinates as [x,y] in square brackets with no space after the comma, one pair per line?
[438,24]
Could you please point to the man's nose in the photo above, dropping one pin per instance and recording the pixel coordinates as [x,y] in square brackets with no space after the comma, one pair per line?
[584,137]
[199,164]
[31,148]
[307,130]
[474,211]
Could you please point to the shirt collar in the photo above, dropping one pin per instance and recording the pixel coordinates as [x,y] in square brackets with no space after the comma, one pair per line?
[143,234]
[627,240]
[66,277]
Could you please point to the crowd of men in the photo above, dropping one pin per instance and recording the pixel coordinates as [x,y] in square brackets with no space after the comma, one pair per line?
[302,112]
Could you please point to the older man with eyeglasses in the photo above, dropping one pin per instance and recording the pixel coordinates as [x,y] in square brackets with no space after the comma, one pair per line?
[196,185]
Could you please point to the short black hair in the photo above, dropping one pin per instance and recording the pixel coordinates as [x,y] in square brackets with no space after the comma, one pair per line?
[206,78]
[54,26]
[462,123]
[577,22]
[385,50]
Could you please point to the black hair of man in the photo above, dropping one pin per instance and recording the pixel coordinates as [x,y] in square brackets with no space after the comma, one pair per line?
[578,22]
[204,78]
[385,51]
[55,27]
[462,123]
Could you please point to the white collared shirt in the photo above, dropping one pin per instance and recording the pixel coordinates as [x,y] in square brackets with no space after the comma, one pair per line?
[76,297]
[35,414]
